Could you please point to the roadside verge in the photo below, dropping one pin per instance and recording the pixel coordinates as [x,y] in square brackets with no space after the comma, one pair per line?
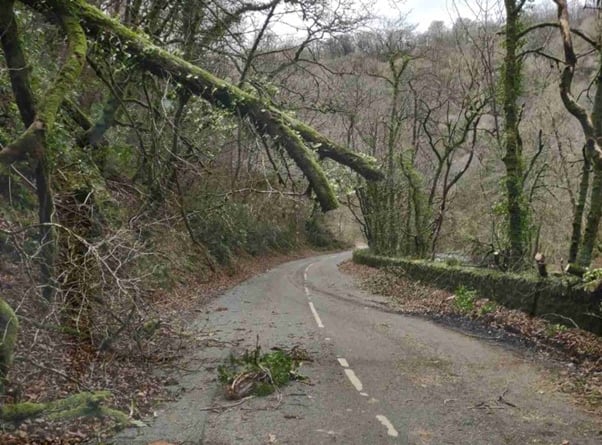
[578,353]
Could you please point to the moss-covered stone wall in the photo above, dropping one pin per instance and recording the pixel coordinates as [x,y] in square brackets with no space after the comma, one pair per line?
[551,298]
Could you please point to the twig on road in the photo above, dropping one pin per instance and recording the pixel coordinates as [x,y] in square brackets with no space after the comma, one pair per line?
[218,408]
[501,399]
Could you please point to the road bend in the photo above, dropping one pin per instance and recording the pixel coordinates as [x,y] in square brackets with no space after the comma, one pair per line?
[377,377]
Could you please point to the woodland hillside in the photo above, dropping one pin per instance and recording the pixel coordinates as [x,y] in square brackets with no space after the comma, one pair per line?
[151,147]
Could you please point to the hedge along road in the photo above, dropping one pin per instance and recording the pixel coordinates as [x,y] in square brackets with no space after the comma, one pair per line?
[376,377]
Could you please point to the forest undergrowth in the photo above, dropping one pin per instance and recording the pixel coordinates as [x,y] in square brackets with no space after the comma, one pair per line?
[128,295]
[51,365]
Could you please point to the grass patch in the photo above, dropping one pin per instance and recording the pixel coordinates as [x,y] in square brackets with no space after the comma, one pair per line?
[464,299]
[487,308]
[555,328]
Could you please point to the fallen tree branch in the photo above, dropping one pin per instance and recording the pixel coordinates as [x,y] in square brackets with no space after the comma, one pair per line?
[562,317]
[77,405]
[225,407]
[295,137]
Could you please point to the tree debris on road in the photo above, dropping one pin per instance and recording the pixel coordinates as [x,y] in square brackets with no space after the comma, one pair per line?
[260,374]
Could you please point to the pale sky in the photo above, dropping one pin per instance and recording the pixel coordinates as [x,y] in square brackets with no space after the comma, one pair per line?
[423,12]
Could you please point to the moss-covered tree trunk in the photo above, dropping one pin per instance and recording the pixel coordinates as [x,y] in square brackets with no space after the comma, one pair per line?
[579,210]
[513,158]
[590,234]
[20,82]
[9,326]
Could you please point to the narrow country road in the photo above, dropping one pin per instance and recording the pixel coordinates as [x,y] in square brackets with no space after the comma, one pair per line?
[376,377]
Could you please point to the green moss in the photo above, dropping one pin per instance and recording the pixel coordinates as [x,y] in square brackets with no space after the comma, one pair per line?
[69,72]
[77,405]
[554,328]
[487,308]
[526,292]
[9,326]
[21,411]
[263,389]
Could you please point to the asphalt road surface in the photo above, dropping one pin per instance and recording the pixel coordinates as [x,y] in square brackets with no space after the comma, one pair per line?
[376,378]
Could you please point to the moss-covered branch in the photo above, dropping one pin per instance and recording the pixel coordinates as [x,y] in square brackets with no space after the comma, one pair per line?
[329,149]
[77,405]
[293,135]
[93,132]
[69,71]
[72,110]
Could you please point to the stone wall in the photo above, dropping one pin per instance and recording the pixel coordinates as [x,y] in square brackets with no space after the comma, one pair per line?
[551,298]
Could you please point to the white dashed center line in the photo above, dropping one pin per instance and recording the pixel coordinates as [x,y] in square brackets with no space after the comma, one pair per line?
[311,305]
[391,431]
[343,362]
[354,380]
[307,271]
[316,316]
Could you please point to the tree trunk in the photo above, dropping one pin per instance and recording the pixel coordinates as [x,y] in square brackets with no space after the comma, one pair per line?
[48,237]
[579,210]
[18,69]
[32,144]
[512,142]
[591,125]
[540,263]
[590,235]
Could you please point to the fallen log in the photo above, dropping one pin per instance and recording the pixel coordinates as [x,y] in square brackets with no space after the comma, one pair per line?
[77,405]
